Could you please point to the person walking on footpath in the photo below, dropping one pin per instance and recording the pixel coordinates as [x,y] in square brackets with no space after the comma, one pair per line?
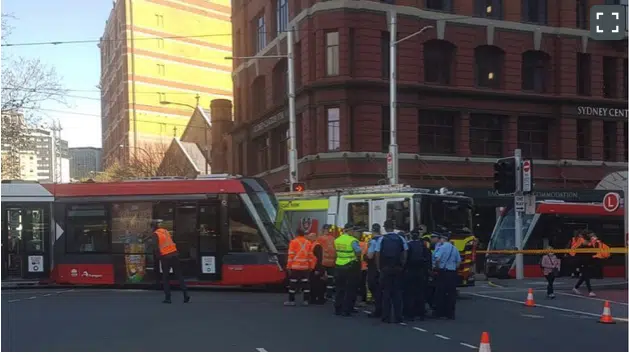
[551,265]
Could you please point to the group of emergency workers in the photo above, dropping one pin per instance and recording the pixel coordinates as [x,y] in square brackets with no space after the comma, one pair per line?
[402,271]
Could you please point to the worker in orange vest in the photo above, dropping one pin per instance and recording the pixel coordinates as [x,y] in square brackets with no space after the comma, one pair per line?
[318,277]
[362,287]
[300,264]
[328,257]
[575,242]
[169,258]
[597,263]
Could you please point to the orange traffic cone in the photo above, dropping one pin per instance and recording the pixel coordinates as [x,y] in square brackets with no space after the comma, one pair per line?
[530,302]
[606,317]
[484,343]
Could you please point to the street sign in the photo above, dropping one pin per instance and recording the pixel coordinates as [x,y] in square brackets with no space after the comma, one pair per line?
[389,164]
[519,203]
[611,201]
[529,202]
[527,176]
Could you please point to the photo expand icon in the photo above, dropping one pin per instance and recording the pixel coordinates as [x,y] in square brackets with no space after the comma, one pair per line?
[608,22]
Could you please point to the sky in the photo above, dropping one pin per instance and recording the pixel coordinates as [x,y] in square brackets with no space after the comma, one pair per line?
[78,65]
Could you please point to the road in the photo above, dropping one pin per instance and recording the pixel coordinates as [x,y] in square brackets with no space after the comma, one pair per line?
[136,320]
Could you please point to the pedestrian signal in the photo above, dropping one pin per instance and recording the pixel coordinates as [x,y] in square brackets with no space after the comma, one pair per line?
[299,187]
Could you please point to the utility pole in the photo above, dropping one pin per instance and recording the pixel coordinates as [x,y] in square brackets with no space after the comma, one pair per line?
[393,158]
[292,121]
[518,203]
[55,166]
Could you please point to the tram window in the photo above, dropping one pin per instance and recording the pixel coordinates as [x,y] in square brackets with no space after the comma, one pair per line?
[165,211]
[131,227]
[209,227]
[400,212]
[87,229]
[244,235]
[35,225]
[358,214]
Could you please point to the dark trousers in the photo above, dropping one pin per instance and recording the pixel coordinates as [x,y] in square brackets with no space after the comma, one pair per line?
[414,293]
[362,287]
[317,287]
[172,261]
[299,280]
[445,293]
[551,280]
[330,282]
[585,277]
[373,282]
[346,280]
[391,281]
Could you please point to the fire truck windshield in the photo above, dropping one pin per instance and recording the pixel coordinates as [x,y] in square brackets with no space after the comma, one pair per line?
[453,213]
[266,207]
[503,237]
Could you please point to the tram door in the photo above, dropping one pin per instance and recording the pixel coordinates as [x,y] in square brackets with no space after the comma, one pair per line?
[210,228]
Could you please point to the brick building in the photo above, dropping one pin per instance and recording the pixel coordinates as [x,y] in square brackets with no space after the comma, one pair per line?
[491,76]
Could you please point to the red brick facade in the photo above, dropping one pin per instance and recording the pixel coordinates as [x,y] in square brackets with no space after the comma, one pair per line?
[360,91]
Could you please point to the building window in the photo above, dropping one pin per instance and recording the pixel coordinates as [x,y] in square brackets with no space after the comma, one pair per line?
[160,43]
[260,35]
[533,136]
[332,53]
[283,136]
[333,117]
[438,59]
[534,11]
[584,136]
[89,230]
[258,97]
[159,20]
[489,64]
[486,135]
[261,146]
[535,71]
[161,69]
[391,2]
[161,97]
[488,9]
[609,140]
[385,128]
[582,14]
[282,16]
[436,132]
[385,53]
[584,74]
[439,5]
[609,77]
[280,82]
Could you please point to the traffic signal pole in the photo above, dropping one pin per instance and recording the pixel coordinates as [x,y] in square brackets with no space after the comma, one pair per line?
[518,196]
[293,164]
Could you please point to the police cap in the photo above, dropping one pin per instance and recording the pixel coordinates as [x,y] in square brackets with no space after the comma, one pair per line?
[376,228]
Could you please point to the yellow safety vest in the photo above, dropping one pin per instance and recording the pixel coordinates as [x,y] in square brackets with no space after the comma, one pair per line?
[344,252]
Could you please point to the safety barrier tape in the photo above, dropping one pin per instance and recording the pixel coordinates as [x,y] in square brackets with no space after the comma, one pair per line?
[556,251]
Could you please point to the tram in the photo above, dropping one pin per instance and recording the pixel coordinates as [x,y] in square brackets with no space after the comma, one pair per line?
[223,226]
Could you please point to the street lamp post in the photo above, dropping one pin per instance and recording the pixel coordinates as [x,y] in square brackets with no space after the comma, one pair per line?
[293,175]
[393,157]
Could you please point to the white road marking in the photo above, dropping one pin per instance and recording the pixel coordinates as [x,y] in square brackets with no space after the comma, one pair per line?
[468,345]
[262,350]
[442,336]
[48,294]
[589,298]
[544,306]
[367,312]
[31,298]
[402,323]
[61,291]
[531,316]
[11,301]
[494,285]
[420,329]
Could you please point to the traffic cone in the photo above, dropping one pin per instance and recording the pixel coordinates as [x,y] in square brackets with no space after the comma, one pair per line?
[484,343]
[530,302]
[606,317]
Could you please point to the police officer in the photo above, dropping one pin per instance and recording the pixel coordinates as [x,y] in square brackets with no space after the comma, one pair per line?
[373,276]
[391,255]
[446,260]
[347,271]
[415,278]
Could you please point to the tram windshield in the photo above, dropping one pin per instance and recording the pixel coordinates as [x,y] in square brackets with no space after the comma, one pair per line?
[503,237]
[452,212]
[266,207]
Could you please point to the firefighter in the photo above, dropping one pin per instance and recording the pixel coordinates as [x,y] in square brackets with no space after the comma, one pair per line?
[328,258]
[299,266]
[169,258]
[347,269]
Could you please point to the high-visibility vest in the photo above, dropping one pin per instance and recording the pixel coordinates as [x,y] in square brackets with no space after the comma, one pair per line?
[363,261]
[604,253]
[328,257]
[575,243]
[344,252]
[165,242]
[300,254]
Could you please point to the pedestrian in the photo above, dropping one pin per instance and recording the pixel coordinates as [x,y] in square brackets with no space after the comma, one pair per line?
[318,275]
[373,275]
[584,263]
[391,252]
[347,271]
[169,258]
[446,260]
[328,259]
[551,265]
[300,264]
[415,278]
[362,287]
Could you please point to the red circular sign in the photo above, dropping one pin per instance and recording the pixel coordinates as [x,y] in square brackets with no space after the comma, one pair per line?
[611,202]
[526,166]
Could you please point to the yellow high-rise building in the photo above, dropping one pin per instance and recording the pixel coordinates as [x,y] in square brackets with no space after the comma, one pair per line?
[159,59]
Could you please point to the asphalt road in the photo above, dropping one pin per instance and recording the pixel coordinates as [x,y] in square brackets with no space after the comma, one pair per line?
[136,320]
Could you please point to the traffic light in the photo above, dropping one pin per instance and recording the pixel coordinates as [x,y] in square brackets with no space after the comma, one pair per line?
[299,187]
[504,176]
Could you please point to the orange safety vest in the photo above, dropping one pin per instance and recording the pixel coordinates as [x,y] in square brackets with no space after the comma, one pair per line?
[604,253]
[329,253]
[300,255]
[363,252]
[165,242]
[575,243]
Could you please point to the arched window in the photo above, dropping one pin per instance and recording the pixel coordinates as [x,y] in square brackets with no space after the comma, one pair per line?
[438,61]
[258,95]
[535,71]
[489,66]
[280,81]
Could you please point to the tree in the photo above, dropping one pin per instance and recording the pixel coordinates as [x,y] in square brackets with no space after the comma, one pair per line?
[26,84]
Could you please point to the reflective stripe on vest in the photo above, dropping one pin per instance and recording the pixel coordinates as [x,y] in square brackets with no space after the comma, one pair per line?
[165,242]
[576,243]
[344,251]
[301,258]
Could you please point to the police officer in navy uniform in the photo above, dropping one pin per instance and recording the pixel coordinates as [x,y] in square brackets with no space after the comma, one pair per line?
[391,252]
[415,277]
[373,276]
[445,261]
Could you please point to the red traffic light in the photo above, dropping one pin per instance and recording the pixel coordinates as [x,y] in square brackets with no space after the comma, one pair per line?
[299,186]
